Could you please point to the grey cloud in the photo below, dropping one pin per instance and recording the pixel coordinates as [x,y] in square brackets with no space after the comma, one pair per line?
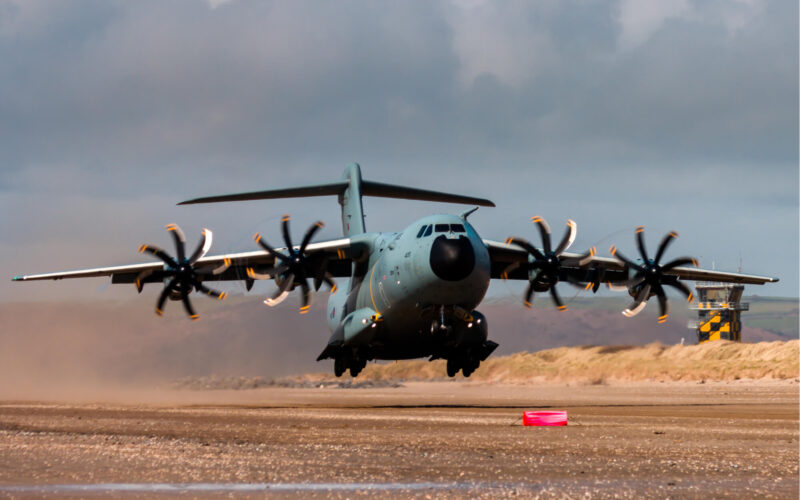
[547,106]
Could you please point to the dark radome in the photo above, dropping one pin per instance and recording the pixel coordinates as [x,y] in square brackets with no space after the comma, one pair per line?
[452,259]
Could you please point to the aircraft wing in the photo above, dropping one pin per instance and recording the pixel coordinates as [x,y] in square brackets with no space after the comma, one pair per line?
[505,255]
[337,255]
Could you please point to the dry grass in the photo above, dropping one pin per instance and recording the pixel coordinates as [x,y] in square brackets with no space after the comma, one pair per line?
[598,364]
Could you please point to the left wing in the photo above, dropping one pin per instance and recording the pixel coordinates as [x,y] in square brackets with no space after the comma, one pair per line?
[503,255]
[547,266]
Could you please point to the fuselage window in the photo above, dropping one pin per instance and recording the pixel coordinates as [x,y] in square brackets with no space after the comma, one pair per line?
[421,231]
[429,230]
[457,228]
[442,228]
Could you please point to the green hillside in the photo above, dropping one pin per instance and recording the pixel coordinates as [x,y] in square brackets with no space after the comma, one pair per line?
[775,314]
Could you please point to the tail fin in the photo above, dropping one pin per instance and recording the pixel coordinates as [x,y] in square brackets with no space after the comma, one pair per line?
[349,190]
[350,200]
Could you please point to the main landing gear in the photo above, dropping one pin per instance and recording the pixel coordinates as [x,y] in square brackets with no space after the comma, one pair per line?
[467,359]
[466,365]
[355,365]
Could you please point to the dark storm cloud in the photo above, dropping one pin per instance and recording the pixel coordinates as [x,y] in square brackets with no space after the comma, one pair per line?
[613,113]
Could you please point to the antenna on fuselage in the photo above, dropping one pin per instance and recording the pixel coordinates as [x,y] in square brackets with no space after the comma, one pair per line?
[469,212]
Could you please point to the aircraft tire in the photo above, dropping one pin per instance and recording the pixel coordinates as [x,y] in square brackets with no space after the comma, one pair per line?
[452,367]
[356,365]
[339,367]
[471,365]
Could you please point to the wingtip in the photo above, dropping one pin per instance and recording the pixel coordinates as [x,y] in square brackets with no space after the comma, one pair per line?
[18,278]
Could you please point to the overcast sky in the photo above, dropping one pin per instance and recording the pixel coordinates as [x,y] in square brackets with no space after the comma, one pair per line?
[673,114]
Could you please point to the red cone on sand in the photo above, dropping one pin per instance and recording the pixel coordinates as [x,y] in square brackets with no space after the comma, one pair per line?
[542,418]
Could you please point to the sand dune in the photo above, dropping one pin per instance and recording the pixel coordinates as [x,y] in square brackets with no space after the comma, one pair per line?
[599,364]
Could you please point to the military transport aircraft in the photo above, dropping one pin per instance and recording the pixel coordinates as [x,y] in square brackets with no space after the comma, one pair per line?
[408,294]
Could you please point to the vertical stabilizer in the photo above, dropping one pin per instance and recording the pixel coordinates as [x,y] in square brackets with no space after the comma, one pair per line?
[350,200]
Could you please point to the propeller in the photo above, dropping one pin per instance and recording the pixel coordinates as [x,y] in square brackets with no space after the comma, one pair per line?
[294,267]
[595,275]
[184,276]
[650,276]
[548,261]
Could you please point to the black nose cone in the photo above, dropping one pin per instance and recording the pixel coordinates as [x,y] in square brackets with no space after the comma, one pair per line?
[452,260]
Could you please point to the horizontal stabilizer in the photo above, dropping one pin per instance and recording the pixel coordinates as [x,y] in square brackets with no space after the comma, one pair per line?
[298,192]
[368,188]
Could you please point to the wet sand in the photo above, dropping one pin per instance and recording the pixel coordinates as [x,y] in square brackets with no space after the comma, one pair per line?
[425,439]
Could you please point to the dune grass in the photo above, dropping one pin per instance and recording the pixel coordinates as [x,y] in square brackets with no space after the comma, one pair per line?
[719,360]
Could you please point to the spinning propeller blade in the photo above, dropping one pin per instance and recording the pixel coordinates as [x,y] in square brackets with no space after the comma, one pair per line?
[185,276]
[294,267]
[650,277]
[548,262]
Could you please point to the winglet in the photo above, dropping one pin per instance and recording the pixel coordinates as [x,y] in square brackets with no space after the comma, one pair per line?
[17,278]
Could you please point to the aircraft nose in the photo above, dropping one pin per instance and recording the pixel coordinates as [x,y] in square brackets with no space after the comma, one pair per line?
[452,259]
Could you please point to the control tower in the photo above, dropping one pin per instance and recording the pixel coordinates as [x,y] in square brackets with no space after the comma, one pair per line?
[718,309]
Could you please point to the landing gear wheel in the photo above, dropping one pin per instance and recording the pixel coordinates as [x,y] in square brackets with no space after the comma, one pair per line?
[452,367]
[470,366]
[339,367]
[356,365]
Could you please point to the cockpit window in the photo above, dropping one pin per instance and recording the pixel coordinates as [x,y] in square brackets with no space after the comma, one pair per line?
[429,230]
[442,228]
[457,228]
[421,231]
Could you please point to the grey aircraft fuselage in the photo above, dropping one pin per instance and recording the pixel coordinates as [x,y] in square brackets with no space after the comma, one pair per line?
[424,283]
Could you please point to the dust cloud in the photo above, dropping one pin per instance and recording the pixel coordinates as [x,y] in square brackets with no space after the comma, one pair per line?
[69,350]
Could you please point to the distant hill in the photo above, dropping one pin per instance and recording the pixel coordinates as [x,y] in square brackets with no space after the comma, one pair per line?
[773,314]
[125,342]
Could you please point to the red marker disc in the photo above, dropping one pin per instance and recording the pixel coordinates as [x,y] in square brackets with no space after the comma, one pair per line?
[540,418]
